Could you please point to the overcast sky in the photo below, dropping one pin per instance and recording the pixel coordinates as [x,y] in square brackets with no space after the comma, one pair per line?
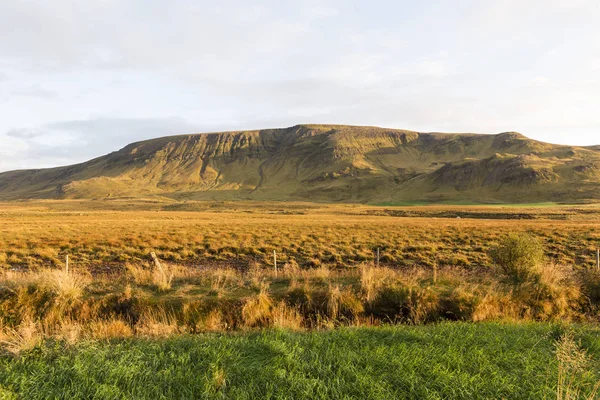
[81,78]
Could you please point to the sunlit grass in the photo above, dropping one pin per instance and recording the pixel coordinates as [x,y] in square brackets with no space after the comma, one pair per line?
[451,360]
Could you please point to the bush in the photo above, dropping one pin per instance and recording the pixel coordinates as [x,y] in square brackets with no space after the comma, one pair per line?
[551,293]
[590,282]
[519,256]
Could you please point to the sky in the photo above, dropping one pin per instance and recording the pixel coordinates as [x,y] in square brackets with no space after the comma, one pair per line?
[82,78]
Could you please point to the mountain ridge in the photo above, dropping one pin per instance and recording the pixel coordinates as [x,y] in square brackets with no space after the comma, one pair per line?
[326,163]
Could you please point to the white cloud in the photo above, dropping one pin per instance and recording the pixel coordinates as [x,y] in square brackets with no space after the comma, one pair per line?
[34,91]
[77,141]
[116,70]
[539,81]
[322,12]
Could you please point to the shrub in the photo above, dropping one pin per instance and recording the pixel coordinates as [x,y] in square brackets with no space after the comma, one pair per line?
[518,255]
[550,293]
[590,281]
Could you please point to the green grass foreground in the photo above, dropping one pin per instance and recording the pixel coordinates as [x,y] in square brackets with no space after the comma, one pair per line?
[448,360]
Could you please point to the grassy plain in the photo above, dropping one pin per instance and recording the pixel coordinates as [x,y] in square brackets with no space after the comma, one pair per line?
[213,319]
[104,233]
[217,269]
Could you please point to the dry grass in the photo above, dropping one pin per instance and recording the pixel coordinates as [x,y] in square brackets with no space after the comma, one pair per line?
[222,278]
[573,362]
[213,322]
[139,274]
[258,310]
[25,336]
[326,274]
[70,331]
[286,317]
[75,306]
[66,305]
[109,329]
[309,235]
[372,279]
[68,285]
[157,322]
[160,275]
[321,273]
[218,380]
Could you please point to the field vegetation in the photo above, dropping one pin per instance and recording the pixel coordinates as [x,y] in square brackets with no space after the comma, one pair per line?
[449,360]
[465,301]
[102,234]
[165,299]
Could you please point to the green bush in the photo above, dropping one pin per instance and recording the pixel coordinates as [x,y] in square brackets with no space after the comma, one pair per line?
[518,255]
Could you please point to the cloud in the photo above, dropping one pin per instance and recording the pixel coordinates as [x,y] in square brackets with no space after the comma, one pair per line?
[68,35]
[114,70]
[24,133]
[68,142]
[35,91]
[322,12]
[539,81]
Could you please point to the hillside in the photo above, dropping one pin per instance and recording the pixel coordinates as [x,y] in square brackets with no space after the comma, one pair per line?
[326,163]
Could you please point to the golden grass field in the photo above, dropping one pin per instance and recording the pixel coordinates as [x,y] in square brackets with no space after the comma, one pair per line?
[215,271]
[103,234]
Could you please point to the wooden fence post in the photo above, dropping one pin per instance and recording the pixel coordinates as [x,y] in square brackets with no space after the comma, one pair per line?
[435,267]
[275,262]
[157,263]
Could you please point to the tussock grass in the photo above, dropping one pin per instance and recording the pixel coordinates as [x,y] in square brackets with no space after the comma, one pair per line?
[162,298]
[25,336]
[258,310]
[307,234]
[68,285]
[213,322]
[74,306]
[285,317]
[157,322]
[113,328]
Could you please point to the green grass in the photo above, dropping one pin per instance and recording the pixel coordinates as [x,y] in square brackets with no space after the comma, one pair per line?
[472,203]
[450,360]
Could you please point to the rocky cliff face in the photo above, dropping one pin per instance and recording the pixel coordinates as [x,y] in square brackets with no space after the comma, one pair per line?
[326,163]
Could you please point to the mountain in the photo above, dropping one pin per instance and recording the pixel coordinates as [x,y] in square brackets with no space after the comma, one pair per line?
[326,163]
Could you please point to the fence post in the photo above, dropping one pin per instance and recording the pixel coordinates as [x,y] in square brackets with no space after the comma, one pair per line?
[275,262]
[157,263]
[435,267]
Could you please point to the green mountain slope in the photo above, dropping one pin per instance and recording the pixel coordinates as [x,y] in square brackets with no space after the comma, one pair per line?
[326,163]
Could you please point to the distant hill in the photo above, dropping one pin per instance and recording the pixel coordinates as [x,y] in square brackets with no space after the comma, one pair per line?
[326,163]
